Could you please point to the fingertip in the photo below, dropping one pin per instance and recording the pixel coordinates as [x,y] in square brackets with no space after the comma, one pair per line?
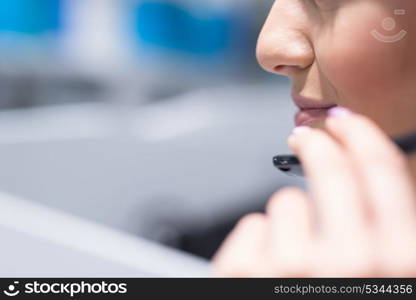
[339,112]
[297,134]
[300,130]
[292,142]
[252,221]
[338,115]
[346,118]
[333,122]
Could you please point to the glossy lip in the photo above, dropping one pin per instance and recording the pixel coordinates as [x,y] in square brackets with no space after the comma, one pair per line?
[309,117]
[310,111]
[304,103]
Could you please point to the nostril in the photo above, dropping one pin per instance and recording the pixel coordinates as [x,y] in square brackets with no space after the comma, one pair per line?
[285,70]
[279,69]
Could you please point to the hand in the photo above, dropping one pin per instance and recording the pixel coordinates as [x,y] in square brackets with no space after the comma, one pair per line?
[358,219]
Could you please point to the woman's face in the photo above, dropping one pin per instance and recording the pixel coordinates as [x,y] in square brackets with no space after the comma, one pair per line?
[360,54]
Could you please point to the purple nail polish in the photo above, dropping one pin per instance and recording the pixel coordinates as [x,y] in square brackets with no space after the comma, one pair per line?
[339,112]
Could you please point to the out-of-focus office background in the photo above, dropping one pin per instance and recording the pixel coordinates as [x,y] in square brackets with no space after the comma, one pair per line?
[149,117]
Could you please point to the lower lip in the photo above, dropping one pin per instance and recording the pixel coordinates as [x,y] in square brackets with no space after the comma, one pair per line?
[308,117]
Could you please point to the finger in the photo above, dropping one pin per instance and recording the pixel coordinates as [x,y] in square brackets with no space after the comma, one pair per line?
[291,232]
[243,252]
[389,187]
[382,168]
[332,182]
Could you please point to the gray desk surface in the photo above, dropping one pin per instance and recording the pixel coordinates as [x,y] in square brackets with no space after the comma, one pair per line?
[41,242]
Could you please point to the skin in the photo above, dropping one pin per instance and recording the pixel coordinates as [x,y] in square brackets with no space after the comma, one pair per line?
[358,216]
[325,47]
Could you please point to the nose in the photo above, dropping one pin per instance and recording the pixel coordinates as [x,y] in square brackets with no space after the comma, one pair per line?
[284,46]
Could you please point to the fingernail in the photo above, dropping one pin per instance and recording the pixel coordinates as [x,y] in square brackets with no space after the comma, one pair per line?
[300,130]
[339,112]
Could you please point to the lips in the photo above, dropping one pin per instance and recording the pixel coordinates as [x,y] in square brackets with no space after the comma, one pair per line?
[310,116]
[310,111]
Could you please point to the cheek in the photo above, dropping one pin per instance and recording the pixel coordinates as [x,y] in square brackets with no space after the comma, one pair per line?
[360,68]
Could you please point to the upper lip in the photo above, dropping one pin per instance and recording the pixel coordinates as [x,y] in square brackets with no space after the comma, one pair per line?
[304,103]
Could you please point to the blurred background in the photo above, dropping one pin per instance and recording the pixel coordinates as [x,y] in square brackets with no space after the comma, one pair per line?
[150,117]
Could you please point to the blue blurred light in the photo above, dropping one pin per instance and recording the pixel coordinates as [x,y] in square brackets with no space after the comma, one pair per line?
[171,26]
[32,17]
